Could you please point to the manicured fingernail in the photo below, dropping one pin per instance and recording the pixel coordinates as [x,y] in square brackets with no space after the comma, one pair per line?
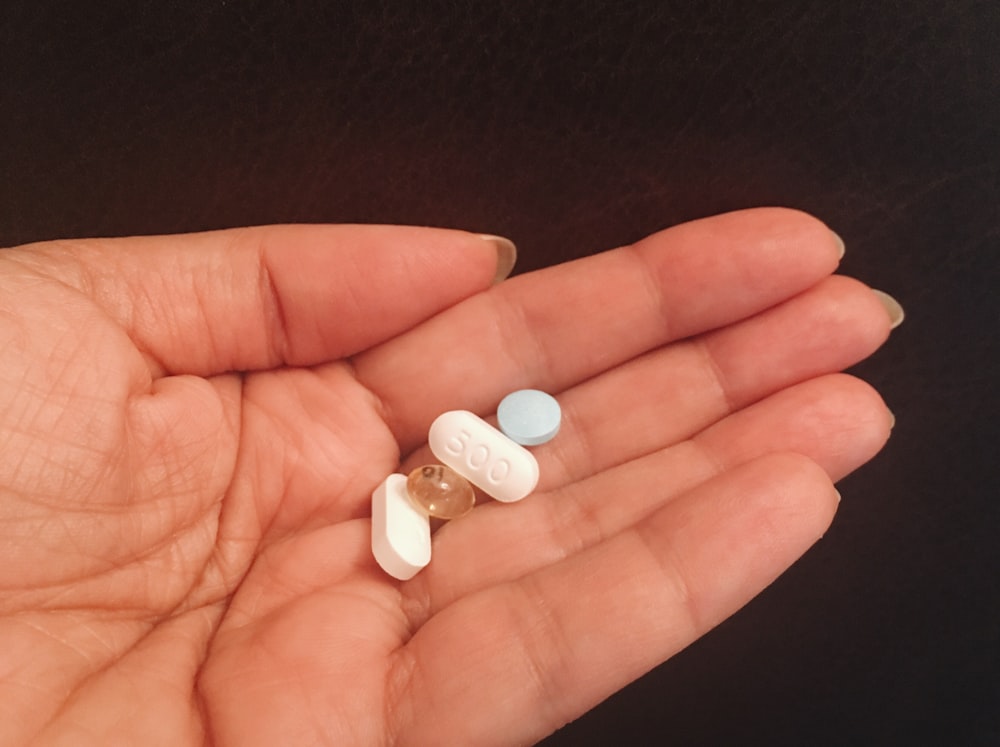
[506,255]
[839,496]
[841,248]
[892,308]
[892,420]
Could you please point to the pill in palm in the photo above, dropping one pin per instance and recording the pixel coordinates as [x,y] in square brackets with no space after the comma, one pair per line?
[529,417]
[401,533]
[440,491]
[483,455]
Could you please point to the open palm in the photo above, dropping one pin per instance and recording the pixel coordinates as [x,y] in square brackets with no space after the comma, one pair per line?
[191,428]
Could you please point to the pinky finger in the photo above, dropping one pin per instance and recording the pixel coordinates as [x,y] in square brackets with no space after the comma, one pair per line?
[537,652]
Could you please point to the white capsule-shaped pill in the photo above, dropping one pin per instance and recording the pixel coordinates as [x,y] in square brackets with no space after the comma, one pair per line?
[401,534]
[483,455]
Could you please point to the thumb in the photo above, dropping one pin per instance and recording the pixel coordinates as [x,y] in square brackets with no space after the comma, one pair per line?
[254,298]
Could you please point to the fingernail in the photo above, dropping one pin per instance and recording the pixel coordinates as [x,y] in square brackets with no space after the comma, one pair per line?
[506,255]
[892,420]
[839,496]
[892,308]
[841,248]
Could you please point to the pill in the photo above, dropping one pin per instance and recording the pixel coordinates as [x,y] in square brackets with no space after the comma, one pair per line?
[529,417]
[440,491]
[401,533]
[483,455]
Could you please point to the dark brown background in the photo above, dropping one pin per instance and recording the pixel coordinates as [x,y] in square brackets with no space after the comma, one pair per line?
[573,127]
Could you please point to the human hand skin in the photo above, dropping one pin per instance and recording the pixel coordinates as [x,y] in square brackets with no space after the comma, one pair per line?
[191,428]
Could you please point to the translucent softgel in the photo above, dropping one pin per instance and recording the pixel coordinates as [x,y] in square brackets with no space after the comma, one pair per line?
[440,491]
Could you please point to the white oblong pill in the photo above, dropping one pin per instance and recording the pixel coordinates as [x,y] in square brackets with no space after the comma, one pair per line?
[483,455]
[401,535]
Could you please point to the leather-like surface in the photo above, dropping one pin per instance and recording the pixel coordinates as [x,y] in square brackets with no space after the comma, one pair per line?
[572,127]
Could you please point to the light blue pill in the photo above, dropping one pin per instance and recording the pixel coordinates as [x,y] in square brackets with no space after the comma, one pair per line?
[529,417]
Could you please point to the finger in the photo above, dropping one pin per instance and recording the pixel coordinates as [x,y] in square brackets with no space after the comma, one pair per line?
[547,647]
[556,327]
[677,391]
[260,297]
[839,422]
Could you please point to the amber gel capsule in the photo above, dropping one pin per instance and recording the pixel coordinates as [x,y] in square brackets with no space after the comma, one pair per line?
[440,491]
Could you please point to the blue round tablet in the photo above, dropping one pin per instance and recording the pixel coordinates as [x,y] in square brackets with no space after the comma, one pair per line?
[529,417]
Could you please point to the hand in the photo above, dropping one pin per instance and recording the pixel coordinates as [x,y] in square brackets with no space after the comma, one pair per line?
[191,428]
